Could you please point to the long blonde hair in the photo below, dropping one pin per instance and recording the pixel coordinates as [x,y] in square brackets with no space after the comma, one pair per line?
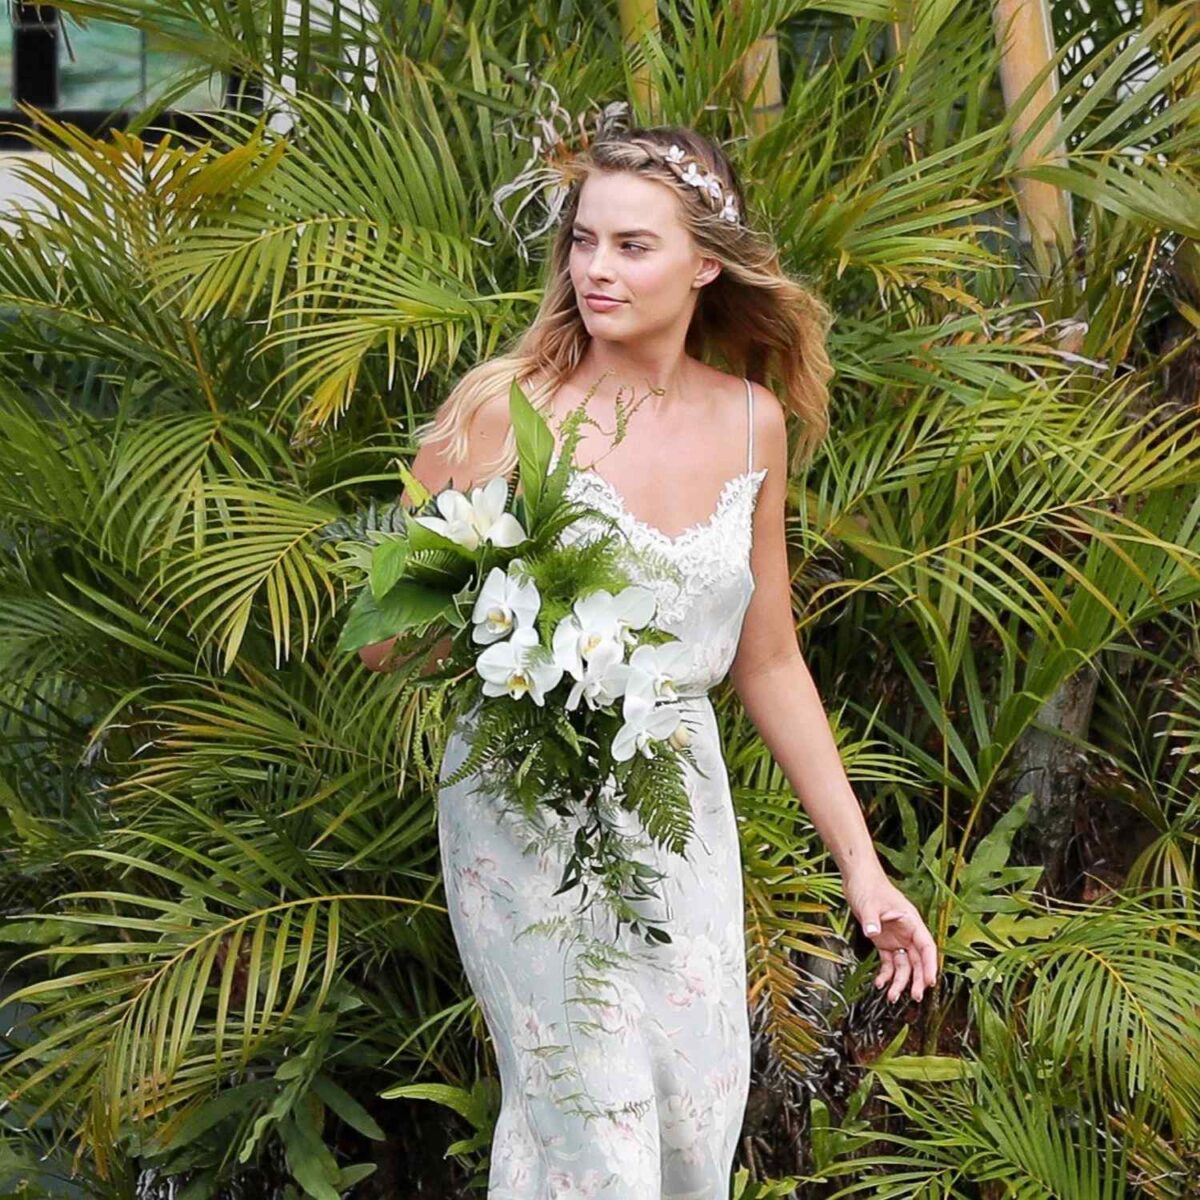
[765,325]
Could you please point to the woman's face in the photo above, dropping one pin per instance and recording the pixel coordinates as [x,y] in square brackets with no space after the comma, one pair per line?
[628,243]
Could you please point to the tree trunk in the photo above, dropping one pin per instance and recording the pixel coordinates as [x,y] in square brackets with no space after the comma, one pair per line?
[1046,763]
[765,94]
[1026,38]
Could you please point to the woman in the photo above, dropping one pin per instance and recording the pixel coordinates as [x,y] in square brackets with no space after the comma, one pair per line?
[636,1089]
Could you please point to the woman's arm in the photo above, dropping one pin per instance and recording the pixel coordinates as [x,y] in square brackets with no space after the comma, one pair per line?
[780,697]
[772,679]
[378,655]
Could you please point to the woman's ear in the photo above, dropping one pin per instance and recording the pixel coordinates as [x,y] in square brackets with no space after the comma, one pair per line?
[710,268]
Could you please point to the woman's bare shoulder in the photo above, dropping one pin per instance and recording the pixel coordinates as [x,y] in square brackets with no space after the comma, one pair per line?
[770,419]
[437,466]
[734,387]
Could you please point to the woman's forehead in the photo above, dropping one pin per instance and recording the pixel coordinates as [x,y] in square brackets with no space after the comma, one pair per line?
[616,202]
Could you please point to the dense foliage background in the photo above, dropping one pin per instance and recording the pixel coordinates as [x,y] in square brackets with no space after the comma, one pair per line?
[228,968]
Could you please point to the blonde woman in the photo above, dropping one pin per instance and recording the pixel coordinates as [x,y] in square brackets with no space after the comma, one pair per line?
[637,1090]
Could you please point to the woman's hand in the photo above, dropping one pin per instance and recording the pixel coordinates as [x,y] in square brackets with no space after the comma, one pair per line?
[890,919]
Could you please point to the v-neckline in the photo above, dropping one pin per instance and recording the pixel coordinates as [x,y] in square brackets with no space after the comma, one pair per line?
[648,527]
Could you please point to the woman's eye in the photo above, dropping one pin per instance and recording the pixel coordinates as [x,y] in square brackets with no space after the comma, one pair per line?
[577,238]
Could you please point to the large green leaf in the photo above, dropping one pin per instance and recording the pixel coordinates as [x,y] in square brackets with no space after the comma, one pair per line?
[407,606]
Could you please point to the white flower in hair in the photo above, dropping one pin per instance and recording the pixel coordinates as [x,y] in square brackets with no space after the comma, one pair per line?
[730,211]
[694,176]
[715,190]
[675,155]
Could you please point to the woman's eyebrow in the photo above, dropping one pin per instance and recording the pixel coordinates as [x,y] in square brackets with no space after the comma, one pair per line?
[622,233]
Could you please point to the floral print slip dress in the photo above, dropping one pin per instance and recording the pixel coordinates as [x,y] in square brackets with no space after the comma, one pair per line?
[624,1067]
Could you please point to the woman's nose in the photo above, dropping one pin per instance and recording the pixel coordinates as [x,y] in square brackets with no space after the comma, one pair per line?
[598,264]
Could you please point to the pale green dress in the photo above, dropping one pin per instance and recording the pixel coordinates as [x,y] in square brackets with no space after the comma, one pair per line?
[624,1067]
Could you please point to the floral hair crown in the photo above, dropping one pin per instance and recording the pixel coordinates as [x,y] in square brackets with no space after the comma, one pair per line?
[548,172]
[708,182]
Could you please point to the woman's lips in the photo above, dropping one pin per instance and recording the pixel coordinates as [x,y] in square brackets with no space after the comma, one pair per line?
[599,305]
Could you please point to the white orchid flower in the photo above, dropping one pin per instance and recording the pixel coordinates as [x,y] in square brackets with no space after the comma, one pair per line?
[508,668]
[595,659]
[644,723]
[507,600]
[603,614]
[480,519]
[602,679]
[598,620]
[654,668]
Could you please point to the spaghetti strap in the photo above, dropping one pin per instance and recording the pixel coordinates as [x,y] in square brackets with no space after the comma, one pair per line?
[750,426]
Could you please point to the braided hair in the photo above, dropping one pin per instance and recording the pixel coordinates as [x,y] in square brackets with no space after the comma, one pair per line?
[674,155]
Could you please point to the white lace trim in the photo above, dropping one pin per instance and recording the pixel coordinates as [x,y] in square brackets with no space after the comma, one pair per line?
[690,564]
[597,490]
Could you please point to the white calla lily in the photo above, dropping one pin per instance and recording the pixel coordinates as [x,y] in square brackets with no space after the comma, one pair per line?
[507,600]
[644,723]
[481,518]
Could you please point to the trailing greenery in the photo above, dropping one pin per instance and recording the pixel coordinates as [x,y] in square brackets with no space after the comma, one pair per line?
[226,955]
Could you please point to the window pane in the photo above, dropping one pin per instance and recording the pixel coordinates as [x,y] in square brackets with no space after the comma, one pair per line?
[104,66]
[107,71]
[6,56]
[167,68]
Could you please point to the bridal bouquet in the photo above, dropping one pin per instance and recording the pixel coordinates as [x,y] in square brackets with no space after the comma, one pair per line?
[554,658]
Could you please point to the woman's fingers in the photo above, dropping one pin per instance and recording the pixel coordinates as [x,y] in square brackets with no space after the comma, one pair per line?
[902,975]
[915,965]
[886,967]
[918,976]
[927,948]
[922,949]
